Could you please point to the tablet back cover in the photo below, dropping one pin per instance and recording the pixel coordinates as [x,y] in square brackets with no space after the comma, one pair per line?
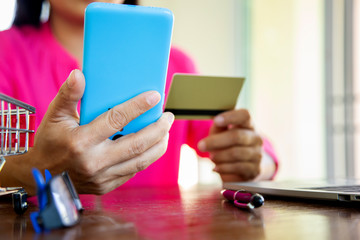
[126,52]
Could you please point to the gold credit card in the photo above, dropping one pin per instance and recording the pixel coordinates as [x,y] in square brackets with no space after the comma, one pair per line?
[202,97]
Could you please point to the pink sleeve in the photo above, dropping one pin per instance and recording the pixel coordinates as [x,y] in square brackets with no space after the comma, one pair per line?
[5,73]
[198,129]
[5,85]
[268,148]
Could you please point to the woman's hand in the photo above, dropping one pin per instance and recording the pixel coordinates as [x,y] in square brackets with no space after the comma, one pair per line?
[234,146]
[96,164]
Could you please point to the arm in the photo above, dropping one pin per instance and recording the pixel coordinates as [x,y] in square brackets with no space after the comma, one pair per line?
[96,164]
[269,162]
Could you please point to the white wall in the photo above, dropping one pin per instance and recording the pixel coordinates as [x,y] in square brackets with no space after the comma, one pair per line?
[6,13]
[287,64]
[205,30]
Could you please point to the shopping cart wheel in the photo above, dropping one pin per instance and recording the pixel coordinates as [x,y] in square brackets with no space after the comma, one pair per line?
[19,200]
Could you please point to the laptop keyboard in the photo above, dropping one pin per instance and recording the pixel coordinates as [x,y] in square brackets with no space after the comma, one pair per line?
[355,188]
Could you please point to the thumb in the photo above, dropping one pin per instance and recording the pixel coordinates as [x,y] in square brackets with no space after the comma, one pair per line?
[66,100]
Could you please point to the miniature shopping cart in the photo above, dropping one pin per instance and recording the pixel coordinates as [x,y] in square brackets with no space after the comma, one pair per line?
[17,124]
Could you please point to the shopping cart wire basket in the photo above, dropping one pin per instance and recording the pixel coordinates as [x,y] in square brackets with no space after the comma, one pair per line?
[17,127]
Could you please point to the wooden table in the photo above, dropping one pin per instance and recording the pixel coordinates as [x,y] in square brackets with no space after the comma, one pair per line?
[198,213]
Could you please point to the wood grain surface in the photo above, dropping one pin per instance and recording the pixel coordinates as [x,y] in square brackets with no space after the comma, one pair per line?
[198,213]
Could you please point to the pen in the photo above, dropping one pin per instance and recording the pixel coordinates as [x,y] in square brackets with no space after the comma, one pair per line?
[243,199]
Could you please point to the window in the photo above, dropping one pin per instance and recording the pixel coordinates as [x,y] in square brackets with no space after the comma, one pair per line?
[342,87]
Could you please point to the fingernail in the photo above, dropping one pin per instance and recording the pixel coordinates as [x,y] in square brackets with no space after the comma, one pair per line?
[70,81]
[78,74]
[170,118]
[219,120]
[153,98]
[202,146]
[75,74]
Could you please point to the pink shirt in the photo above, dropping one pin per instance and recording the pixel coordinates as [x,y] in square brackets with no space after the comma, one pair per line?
[33,66]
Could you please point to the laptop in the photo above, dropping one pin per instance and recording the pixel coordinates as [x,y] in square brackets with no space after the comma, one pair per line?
[333,190]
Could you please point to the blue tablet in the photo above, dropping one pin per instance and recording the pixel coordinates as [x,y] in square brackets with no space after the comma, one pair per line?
[126,52]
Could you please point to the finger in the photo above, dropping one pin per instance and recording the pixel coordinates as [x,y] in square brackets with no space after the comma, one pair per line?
[66,101]
[244,170]
[100,186]
[140,162]
[230,138]
[119,116]
[233,178]
[239,117]
[237,154]
[133,145]
[115,183]
[216,129]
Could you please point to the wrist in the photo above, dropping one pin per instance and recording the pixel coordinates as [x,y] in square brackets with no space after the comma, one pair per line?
[17,173]
[267,167]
